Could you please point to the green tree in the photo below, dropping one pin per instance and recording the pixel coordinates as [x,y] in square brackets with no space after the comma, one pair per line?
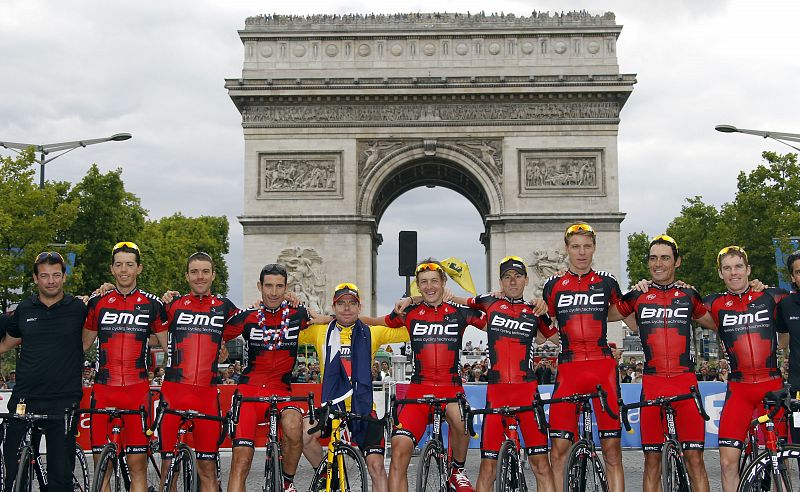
[32,220]
[167,243]
[696,231]
[107,214]
[638,250]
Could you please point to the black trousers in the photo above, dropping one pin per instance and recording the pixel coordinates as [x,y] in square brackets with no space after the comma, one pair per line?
[60,445]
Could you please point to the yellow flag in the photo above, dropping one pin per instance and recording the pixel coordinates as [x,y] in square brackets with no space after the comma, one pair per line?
[457,270]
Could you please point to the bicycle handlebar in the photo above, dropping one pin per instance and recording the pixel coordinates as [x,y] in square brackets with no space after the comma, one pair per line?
[238,399]
[431,401]
[327,411]
[779,399]
[505,411]
[662,401]
[118,413]
[599,393]
[163,409]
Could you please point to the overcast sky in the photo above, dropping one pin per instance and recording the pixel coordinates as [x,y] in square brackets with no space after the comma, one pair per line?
[85,69]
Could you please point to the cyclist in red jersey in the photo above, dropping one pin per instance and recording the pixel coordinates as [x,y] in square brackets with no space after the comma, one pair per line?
[663,316]
[579,300]
[270,332]
[196,330]
[747,323]
[122,320]
[512,327]
[436,328]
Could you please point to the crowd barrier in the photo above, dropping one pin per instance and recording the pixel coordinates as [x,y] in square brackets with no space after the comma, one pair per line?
[713,399]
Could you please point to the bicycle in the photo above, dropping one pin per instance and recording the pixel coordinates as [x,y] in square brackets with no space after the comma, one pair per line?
[583,470]
[112,466]
[435,462]
[510,475]
[182,472]
[273,470]
[349,473]
[30,463]
[774,468]
[674,476]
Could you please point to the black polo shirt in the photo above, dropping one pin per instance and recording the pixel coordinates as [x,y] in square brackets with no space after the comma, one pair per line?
[51,355]
[789,312]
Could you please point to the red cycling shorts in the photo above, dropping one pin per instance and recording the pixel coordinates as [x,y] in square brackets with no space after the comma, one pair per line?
[689,425]
[512,395]
[581,377]
[743,402]
[251,414]
[124,398]
[205,434]
[414,418]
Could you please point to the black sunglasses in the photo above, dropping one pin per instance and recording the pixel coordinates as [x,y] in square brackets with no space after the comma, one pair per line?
[273,269]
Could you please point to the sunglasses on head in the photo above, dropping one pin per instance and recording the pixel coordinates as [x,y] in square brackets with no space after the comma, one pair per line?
[347,286]
[515,258]
[728,249]
[124,244]
[426,267]
[664,237]
[45,255]
[578,227]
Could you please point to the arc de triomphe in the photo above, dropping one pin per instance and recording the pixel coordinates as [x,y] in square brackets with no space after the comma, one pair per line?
[343,114]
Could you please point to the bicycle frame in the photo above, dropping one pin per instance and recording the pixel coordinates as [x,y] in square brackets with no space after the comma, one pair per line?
[32,437]
[510,421]
[117,425]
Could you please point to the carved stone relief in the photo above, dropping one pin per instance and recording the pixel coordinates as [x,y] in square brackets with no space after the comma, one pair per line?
[543,265]
[300,175]
[487,113]
[305,275]
[487,151]
[544,172]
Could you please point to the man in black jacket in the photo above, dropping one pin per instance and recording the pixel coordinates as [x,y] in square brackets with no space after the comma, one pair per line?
[48,325]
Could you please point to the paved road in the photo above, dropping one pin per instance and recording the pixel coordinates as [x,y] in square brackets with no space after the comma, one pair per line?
[632,459]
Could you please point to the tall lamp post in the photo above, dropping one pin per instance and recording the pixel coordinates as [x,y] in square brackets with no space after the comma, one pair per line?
[777,136]
[62,147]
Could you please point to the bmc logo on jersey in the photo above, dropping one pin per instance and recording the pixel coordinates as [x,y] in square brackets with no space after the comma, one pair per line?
[115,318]
[745,318]
[648,313]
[423,329]
[511,324]
[568,300]
[257,333]
[196,319]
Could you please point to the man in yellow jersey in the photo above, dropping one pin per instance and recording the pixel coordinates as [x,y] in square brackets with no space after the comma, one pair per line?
[346,348]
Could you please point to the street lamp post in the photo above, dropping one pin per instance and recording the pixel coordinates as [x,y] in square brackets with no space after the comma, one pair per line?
[62,147]
[777,136]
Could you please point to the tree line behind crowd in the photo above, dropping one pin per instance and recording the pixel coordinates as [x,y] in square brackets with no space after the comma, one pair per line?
[766,207]
[83,222]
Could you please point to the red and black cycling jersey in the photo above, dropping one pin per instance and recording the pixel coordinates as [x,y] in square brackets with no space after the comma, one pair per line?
[580,304]
[748,325]
[123,323]
[664,315]
[270,343]
[511,327]
[196,331]
[789,312]
[436,334]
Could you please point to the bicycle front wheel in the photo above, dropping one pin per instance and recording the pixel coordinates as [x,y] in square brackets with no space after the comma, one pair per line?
[509,473]
[432,473]
[673,469]
[23,481]
[583,470]
[759,476]
[349,472]
[273,472]
[106,473]
[80,472]
[182,474]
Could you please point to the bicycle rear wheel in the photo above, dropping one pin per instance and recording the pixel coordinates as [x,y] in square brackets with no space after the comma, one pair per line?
[80,472]
[758,476]
[107,471]
[509,475]
[432,473]
[673,469]
[273,472]
[583,470]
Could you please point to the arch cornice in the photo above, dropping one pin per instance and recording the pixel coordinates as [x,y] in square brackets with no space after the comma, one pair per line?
[378,176]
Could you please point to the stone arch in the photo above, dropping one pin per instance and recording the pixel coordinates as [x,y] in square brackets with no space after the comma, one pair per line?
[417,165]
